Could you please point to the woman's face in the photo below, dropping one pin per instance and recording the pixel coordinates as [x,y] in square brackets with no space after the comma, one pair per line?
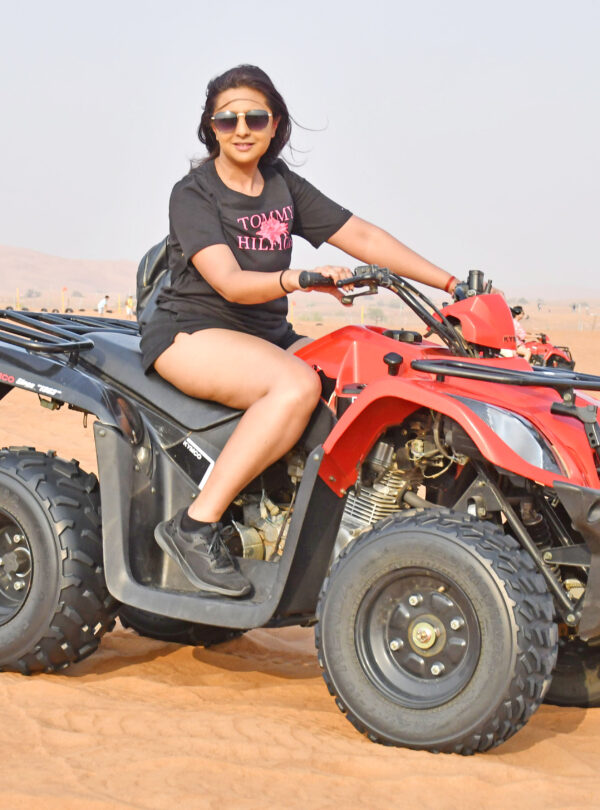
[243,146]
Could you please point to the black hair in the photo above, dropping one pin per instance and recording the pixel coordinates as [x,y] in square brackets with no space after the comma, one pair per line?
[518,310]
[257,79]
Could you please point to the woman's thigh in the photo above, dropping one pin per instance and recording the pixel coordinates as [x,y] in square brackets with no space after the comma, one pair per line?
[231,367]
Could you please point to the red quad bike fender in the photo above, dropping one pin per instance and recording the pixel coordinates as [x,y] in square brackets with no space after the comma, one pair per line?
[354,354]
[388,402]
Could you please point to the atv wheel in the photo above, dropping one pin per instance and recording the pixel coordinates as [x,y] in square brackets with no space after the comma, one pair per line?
[54,605]
[576,678]
[435,632]
[164,628]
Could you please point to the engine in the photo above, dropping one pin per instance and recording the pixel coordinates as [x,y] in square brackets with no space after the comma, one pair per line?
[394,474]
[397,474]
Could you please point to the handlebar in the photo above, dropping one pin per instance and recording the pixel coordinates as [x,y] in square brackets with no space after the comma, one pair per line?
[371,277]
[308,278]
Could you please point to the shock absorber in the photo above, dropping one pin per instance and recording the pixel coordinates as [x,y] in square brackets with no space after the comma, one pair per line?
[536,524]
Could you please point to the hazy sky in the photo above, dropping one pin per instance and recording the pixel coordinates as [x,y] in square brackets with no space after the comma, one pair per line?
[468,128]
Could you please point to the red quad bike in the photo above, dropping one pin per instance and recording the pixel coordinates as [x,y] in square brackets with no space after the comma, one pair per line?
[545,353]
[438,522]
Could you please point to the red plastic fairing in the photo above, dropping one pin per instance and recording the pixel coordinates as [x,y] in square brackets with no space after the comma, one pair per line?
[388,402]
[354,355]
[485,320]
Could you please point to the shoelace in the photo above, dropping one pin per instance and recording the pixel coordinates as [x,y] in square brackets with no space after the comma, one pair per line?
[215,548]
[218,550]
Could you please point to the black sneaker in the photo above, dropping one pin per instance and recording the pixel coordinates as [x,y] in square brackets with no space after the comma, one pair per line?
[203,557]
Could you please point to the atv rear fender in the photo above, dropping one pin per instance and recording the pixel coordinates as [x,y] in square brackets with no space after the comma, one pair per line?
[387,402]
[60,382]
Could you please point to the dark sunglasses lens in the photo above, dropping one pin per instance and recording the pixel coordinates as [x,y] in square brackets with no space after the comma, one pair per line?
[257,120]
[225,121]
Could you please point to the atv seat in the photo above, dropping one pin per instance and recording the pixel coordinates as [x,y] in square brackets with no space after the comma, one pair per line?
[118,356]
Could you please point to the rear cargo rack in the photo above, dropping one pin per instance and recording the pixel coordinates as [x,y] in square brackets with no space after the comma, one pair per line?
[51,332]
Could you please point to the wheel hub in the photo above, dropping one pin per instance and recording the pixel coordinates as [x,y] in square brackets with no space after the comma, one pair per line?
[424,635]
[418,637]
[15,569]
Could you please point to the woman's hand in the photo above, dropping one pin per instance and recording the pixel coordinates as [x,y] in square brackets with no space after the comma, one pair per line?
[291,280]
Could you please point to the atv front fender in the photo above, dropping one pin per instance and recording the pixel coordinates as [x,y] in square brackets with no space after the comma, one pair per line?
[388,402]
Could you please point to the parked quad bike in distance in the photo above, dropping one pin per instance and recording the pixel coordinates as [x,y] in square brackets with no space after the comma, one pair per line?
[438,522]
[545,353]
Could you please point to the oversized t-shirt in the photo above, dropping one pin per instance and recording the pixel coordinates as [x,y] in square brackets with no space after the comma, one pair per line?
[203,211]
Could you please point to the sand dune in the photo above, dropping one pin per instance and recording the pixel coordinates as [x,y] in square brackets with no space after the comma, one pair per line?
[247,724]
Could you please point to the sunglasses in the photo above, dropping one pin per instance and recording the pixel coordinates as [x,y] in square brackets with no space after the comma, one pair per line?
[226,121]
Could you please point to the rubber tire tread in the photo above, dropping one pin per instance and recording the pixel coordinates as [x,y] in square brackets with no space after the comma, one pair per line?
[178,631]
[84,610]
[538,634]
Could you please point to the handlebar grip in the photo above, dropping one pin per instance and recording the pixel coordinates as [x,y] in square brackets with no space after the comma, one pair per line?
[308,278]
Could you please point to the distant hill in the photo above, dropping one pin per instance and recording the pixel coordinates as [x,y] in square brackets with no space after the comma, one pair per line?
[40,279]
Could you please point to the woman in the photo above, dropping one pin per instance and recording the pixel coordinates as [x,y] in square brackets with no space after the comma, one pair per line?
[521,335]
[220,331]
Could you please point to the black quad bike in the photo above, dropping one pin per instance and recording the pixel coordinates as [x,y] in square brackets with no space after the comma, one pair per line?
[438,522]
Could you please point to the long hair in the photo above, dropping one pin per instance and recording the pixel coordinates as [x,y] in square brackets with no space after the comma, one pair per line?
[257,79]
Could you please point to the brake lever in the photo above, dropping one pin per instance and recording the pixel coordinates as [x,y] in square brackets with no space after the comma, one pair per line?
[348,299]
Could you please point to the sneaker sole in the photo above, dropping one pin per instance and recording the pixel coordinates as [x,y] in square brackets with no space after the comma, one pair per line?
[164,541]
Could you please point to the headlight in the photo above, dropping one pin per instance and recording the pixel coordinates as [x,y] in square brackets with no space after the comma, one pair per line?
[517,432]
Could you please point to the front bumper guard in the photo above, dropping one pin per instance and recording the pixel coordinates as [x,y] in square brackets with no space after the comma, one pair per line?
[583,507]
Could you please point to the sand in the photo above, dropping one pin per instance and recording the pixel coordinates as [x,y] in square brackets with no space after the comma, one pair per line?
[248,724]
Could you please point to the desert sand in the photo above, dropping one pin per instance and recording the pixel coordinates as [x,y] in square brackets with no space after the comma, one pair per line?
[250,724]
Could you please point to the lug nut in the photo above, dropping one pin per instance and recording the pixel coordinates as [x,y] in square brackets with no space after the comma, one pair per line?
[18,586]
[457,623]
[437,669]
[415,599]
[17,538]
[396,644]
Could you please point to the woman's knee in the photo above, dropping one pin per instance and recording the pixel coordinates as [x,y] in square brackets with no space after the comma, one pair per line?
[301,386]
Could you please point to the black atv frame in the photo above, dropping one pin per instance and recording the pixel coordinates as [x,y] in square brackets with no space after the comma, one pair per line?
[86,362]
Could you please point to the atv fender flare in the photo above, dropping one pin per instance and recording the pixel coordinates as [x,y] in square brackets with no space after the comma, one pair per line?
[388,402]
[52,378]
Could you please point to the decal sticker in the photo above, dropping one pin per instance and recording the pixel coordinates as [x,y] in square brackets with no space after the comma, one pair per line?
[30,386]
[41,389]
[193,460]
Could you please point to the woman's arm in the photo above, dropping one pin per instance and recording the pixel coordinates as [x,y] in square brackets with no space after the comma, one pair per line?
[219,267]
[373,245]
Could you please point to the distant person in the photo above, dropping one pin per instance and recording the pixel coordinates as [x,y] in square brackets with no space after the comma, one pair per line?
[220,330]
[129,307]
[102,304]
[522,336]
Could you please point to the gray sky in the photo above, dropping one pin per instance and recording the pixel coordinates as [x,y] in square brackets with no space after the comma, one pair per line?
[468,128]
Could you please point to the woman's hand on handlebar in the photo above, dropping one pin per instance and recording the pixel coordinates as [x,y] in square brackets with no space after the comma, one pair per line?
[310,280]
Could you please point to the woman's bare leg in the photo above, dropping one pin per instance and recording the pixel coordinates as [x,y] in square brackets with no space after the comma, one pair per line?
[277,390]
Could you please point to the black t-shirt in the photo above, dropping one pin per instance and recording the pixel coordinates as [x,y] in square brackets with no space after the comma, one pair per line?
[204,211]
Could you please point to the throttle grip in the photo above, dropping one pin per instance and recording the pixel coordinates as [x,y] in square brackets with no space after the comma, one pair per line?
[309,278]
